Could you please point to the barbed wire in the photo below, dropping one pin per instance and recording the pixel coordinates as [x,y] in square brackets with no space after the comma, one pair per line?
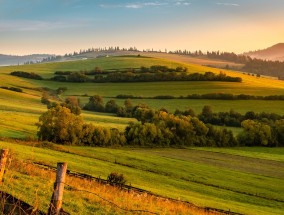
[110,202]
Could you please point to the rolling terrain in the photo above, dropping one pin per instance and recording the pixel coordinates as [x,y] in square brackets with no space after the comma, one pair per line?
[274,53]
[243,180]
[28,106]
[6,60]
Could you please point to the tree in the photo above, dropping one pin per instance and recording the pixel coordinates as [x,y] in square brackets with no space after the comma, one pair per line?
[255,134]
[45,98]
[73,104]
[250,115]
[128,105]
[207,114]
[111,106]
[59,125]
[279,129]
[96,103]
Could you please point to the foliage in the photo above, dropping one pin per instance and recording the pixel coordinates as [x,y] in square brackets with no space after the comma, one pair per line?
[73,103]
[45,99]
[154,73]
[77,77]
[263,67]
[61,90]
[164,129]
[96,103]
[258,133]
[220,137]
[59,125]
[116,179]
[30,75]
[16,89]
[233,118]
[111,106]
[213,96]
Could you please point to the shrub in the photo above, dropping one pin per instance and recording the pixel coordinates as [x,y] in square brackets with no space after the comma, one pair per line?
[29,75]
[116,179]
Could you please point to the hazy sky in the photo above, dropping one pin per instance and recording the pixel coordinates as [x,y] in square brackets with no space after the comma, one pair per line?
[61,26]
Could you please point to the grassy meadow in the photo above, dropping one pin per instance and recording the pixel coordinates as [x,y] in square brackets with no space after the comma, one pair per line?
[244,180]
[26,107]
[230,180]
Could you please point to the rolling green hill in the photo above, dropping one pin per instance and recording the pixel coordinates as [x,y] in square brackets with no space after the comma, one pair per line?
[27,105]
[245,180]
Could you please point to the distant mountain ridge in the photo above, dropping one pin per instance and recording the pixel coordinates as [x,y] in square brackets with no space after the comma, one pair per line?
[274,53]
[6,60]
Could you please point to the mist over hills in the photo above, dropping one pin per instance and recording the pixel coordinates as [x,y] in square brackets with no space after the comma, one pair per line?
[273,53]
[6,60]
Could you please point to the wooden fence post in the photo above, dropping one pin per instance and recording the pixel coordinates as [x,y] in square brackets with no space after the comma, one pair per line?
[57,196]
[4,153]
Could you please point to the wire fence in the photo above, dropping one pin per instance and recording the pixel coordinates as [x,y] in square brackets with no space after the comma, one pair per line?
[110,202]
[27,209]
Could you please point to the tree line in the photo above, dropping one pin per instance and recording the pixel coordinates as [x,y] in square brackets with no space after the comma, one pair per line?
[63,124]
[233,118]
[230,118]
[60,125]
[15,89]
[251,65]
[30,75]
[215,96]
[144,74]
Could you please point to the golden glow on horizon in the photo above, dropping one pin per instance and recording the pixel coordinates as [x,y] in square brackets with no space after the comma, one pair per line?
[231,37]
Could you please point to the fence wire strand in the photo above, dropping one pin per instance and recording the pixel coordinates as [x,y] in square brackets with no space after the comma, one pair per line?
[110,202]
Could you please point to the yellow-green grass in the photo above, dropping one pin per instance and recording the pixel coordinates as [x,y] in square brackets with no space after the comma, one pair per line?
[250,85]
[18,124]
[254,152]
[28,105]
[106,120]
[163,88]
[34,185]
[19,113]
[173,57]
[206,178]
[194,60]
[48,69]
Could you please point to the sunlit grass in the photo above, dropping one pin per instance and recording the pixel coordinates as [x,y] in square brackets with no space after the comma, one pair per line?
[174,173]
[34,185]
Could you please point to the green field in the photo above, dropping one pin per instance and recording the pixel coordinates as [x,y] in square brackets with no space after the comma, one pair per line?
[245,180]
[229,179]
[26,107]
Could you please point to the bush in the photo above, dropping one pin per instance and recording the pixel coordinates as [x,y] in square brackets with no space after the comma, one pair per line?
[19,90]
[29,75]
[116,179]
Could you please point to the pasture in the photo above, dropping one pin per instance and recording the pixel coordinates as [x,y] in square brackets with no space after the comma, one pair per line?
[26,107]
[229,179]
[244,180]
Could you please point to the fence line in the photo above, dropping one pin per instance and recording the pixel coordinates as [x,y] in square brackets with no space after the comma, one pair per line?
[57,197]
[124,209]
[134,189]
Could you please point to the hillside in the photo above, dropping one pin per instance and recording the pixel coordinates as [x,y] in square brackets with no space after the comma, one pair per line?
[169,56]
[26,107]
[6,60]
[274,53]
[191,174]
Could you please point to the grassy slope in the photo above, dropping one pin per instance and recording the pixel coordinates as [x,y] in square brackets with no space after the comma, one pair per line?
[188,174]
[25,107]
[171,172]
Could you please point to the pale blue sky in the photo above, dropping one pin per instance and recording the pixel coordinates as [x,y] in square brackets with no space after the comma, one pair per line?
[60,26]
